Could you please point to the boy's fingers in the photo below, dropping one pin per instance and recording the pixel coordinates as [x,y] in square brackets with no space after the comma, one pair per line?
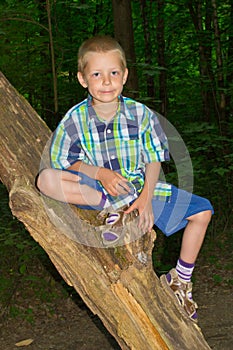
[122,187]
[131,208]
[146,223]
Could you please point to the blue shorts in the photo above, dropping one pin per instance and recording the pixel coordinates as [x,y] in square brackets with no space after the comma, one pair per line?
[170,216]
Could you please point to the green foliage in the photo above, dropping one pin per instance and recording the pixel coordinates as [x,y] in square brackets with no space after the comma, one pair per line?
[166,252]
[26,54]
[212,159]
[25,43]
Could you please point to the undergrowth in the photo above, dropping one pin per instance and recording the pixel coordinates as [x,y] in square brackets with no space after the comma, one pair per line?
[26,272]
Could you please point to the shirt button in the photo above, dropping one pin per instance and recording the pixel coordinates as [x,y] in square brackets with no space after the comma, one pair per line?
[112,156]
[109,131]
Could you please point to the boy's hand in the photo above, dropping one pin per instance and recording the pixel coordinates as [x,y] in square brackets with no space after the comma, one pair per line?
[114,183]
[146,220]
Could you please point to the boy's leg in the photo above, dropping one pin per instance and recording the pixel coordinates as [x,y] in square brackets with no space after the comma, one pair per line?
[64,186]
[194,235]
[179,279]
[177,213]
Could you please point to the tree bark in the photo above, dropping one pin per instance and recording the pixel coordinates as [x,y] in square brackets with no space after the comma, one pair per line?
[123,30]
[161,59]
[220,67]
[145,12]
[203,32]
[53,63]
[229,72]
[115,283]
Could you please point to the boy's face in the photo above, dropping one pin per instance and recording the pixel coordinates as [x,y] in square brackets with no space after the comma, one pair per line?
[103,76]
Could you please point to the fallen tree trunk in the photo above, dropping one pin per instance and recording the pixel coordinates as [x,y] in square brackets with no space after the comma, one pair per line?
[115,283]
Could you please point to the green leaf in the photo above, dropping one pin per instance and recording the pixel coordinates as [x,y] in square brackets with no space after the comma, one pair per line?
[22,269]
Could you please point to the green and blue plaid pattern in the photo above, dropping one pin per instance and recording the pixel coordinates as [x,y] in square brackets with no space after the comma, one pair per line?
[125,144]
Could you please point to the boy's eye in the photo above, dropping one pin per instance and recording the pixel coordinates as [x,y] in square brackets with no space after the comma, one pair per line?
[114,72]
[96,74]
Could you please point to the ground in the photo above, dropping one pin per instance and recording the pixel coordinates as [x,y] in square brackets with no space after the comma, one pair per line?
[41,307]
[73,327]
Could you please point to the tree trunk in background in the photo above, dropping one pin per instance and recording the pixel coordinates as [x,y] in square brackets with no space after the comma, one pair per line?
[219,61]
[115,283]
[53,63]
[45,91]
[146,12]
[123,30]
[161,58]
[208,89]
[229,74]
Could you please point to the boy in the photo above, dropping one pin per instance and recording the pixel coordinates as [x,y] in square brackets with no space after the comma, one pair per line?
[107,152]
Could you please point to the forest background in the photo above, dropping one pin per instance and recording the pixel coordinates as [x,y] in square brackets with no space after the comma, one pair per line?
[180,55]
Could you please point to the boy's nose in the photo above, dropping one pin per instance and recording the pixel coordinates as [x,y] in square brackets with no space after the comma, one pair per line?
[106,80]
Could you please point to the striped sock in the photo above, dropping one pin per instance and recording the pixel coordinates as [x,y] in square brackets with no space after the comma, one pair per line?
[103,203]
[184,270]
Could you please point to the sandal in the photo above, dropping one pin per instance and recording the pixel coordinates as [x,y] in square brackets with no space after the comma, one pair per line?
[181,292]
[113,223]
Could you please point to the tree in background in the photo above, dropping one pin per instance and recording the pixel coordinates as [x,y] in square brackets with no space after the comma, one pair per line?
[43,49]
[123,32]
[146,12]
[161,57]
[201,17]
[213,25]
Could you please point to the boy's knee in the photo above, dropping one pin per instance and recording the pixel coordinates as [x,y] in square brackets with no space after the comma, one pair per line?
[207,214]
[203,216]
[43,180]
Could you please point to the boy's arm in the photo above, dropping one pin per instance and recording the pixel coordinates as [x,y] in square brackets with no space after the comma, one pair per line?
[144,202]
[151,178]
[114,183]
[89,170]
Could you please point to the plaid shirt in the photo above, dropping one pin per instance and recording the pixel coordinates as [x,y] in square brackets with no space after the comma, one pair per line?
[125,144]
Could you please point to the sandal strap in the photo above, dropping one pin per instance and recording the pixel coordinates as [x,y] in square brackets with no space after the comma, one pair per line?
[112,218]
[109,237]
[116,218]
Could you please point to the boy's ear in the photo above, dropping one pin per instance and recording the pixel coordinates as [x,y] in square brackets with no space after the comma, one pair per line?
[82,79]
[125,76]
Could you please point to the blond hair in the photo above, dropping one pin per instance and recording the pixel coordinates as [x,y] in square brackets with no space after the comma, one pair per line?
[100,43]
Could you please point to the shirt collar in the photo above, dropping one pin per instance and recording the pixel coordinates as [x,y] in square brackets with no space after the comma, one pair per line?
[124,111]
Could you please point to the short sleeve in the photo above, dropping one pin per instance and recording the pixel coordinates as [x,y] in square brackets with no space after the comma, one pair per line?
[154,140]
[65,148]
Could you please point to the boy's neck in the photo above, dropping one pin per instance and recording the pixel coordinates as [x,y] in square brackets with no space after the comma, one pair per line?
[106,111]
